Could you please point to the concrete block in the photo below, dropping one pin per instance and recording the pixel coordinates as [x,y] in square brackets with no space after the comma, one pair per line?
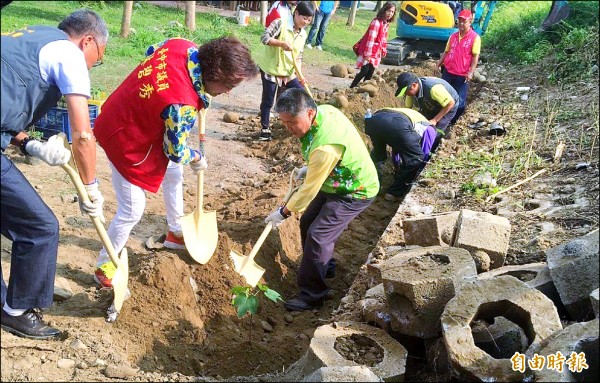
[574,270]
[536,275]
[343,374]
[594,301]
[418,283]
[374,308]
[486,299]
[322,352]
[576,338]
[483,231]
[499,339]
[431,230]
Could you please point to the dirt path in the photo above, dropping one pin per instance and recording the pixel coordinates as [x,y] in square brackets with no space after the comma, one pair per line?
[174,329]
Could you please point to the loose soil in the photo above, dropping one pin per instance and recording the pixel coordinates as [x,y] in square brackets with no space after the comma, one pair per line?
[179,324]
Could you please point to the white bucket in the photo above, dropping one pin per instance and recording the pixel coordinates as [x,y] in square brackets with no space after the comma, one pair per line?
[243,17]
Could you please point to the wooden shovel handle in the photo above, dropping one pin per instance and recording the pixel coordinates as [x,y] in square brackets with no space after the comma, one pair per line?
[269,227]
[201,139]
[96,220]
[297,68]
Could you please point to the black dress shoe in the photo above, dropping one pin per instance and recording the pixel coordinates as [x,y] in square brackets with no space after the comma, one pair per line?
[297,304]
[29,325]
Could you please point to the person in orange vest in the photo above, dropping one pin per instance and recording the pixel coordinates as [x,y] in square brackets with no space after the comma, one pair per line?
[460,58]
[145,124]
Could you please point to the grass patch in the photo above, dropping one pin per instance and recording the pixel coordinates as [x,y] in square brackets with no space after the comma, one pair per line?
[153,24]
[569,49]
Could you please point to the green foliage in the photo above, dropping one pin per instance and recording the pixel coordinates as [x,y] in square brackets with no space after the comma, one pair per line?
[570,47]
[245,298]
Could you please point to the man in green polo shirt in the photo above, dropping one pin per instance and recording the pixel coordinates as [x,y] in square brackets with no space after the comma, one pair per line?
[341,181]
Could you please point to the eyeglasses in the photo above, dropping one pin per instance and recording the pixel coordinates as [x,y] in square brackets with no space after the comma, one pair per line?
[100,59]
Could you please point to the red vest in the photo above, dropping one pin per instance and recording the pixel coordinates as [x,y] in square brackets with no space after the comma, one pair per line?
[130,128]
[458,58]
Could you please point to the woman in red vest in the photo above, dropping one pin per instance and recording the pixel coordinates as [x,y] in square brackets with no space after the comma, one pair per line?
[146,121]
[373,45]
[460,58]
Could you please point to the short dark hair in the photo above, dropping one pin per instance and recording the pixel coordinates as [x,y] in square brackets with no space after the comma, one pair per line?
[305,8]
[294,101]
[226,58]
[384,9]
[85,22]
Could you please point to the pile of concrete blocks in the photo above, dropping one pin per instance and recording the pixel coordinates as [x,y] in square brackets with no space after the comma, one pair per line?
[484,235]
[470,323]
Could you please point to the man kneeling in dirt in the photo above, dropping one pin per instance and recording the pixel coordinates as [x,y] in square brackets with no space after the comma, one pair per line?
[410,135]
[341,182]
[145,124]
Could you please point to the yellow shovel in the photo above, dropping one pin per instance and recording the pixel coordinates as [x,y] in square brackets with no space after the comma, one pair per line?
[200,227]
[121,276]
[245,265]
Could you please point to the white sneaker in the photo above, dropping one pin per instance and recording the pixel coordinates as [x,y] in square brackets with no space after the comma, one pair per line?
[309,46]
[319,47]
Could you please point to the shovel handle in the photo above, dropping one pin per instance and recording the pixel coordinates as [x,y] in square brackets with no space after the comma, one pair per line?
[201,140]
[259,242]
[297,68]
[96,220]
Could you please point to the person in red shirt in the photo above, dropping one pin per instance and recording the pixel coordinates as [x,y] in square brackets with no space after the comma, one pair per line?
[373,45]
[145,124]
[460,58]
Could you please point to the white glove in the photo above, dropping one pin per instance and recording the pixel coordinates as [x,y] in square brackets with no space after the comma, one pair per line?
[276,218]
[199,165]
[94,206]
[300,173]
[52,152]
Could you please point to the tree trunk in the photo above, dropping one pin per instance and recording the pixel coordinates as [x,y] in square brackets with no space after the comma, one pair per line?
[190,15]
[264,8]
[233,5]
[378,6]
[352,15]
[126,21]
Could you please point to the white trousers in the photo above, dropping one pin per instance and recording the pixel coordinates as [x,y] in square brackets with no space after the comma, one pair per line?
[131,202]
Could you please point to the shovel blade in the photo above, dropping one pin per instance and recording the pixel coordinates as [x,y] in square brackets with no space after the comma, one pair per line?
[119,281]
[251,271]
[200,234]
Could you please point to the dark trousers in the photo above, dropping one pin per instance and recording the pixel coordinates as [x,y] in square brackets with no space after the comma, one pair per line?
[395,129]
[326,217]
[366,72]
[460,84]
[33,229]
[268,97]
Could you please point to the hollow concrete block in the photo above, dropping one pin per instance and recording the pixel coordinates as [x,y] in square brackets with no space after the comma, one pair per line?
[321,352]
[483,231]
[578,338]
[430,230]
[574,270]
[536,275]
[489,298]
[418,283]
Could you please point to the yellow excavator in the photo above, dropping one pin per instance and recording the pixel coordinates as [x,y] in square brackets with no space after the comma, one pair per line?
[425,26]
